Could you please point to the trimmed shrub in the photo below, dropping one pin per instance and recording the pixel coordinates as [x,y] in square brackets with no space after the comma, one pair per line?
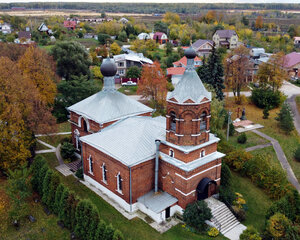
[266,112]
[226,195]
[67,151]
[231,129]
[297,154]
[36,167]
[250,234]
[79,173]
[109,232]
[278,225]
[263,97]
[100,231]
[195,215]
[213,232]
[285,118]
[242,139]
[87,220]
[226,176]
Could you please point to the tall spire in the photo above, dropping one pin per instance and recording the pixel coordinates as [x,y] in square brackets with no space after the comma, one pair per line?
[108,69]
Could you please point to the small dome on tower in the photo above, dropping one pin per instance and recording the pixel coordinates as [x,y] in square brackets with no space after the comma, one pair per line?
[190,53]
[108,68]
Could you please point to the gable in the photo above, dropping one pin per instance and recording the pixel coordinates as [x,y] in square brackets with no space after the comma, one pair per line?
[189,101]
[205,100]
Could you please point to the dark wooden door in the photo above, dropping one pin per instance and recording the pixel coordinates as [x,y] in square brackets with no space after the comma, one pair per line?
[167,212]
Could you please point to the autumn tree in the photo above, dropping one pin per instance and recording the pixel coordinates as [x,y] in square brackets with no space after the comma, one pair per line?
[236,66]
[72,59]
[153,84]
[171,18]
[273,72]
[259,22]
[115,49]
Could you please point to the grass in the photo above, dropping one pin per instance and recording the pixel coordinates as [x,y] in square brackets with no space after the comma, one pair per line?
[53,140]
[288,142]
[40,146]
[47,48]
[270,151]
[297,99]
[257,201]
[252,140]
[133,229]
[64,127]
[128,90]
[30,230]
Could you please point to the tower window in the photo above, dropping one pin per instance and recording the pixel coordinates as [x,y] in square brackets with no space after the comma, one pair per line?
[104,176]
[203,121]
[173,121]
[119,183]
[171,153]
[85,125]
[91,164]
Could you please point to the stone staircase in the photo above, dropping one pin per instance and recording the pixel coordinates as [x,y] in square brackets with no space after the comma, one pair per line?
[224,219]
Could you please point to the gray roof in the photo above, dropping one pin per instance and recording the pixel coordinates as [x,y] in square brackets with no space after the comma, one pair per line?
[191,165]
[200,42]
[157,202]
[189,87]
[107,106]
[225,33]
[130,141]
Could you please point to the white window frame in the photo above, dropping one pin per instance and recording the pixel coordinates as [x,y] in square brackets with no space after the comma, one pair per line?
[103,174]
[171,153]
[118,186]
[90,159]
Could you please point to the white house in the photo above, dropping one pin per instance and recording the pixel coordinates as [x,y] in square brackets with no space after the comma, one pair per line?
[5,28]
[43,28]
[144,36]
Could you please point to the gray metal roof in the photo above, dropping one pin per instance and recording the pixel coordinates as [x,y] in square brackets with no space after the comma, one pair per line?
[130,141]
[191,165]
[225,33]
[106,106]
[189,87]
[157,202]
[200,42]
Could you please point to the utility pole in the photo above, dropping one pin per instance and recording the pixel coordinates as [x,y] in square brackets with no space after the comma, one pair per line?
[229,118]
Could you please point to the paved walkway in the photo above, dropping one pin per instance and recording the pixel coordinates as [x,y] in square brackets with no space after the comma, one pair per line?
[292,102]
[51,148]
[282,159]
[249,149]
[53,134]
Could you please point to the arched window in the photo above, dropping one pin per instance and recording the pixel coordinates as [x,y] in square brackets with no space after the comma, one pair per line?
[171,153]
[85,125]
[202,154]
[104,176]
[203,121]
[119,183]
[173,121]
[91,164]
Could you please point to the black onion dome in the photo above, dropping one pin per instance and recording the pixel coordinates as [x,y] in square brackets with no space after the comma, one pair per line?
[190,53]
[108,68]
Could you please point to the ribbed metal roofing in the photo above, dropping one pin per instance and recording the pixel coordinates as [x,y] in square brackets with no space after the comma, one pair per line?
[190,87]
[130,141]
[106,106]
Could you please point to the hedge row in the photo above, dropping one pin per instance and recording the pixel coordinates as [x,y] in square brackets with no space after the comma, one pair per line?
[80,216]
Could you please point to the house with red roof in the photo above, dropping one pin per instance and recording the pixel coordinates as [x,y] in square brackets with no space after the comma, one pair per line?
[160,37]
[179,67]
[292,64]
[70,25]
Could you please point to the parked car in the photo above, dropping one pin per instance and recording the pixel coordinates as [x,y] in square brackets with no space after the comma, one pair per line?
[129,83]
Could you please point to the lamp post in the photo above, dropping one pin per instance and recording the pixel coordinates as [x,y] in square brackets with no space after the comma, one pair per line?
[229,118]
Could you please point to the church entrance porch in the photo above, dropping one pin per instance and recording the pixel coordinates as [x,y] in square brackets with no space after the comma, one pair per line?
[206,188]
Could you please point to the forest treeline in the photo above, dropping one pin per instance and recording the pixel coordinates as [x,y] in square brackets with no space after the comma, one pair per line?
[150,7]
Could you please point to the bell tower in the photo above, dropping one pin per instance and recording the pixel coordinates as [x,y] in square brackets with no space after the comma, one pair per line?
[188,108]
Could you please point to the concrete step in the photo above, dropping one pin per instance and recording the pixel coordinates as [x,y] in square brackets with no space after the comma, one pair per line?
[226,220]
[224,215]
[229,224]
[229,228]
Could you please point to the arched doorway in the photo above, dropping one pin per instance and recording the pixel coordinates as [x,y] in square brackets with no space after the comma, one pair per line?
[206,188]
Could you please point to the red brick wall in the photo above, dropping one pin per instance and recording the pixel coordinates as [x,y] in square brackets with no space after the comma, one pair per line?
[187,127]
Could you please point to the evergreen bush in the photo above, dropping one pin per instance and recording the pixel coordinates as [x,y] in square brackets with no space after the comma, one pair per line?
[46,183]
[54,182]
[100,232]
[58,194]
[195,215]
[250,234]
[226,195]
[36,167]
[231,129]
[266,112]
[242,139]
[79,173]
[87,220]
[109,232]
[285,118]
[41,177]
[226,176]
[67,151]
[263,97]
[297,154]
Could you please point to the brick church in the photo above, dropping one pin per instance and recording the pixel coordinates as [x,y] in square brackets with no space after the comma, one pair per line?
[155,165]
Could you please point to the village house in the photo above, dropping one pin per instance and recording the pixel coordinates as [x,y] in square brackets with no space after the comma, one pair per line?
[123,20]
[203,47]
[125,61]
[144,36]
[297,42]
[43,28]
[160,37]
[70,25]
[292,64]
[24,37]
[226,38]
[179,67]
[155,165]
[5,28]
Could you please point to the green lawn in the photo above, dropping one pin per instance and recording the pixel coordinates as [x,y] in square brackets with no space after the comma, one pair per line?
[29,230]
[64,127]
[288,142]
[257,201]
[128,90]
[133,229]
[252,140]
[297,99]
[53,140]
[270,151]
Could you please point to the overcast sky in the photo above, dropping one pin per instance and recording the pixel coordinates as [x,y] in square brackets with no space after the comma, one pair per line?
[162,1]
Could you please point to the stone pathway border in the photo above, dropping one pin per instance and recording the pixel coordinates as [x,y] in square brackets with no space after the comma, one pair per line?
[282,159]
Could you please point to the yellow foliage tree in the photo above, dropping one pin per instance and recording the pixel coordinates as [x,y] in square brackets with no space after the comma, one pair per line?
[259,22]
[171,18]
[115,49]
[277,225]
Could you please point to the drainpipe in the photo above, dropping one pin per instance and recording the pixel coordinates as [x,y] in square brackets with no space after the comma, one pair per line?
[157,143]
[130,193]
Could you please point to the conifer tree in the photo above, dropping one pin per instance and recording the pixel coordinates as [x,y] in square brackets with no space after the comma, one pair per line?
[285,118]
[63,206]
[54,182]
[57,200]
[68,203]
[41,177]
[215,73]
[37,165]
[46,183]
[87,220]
[202,71]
